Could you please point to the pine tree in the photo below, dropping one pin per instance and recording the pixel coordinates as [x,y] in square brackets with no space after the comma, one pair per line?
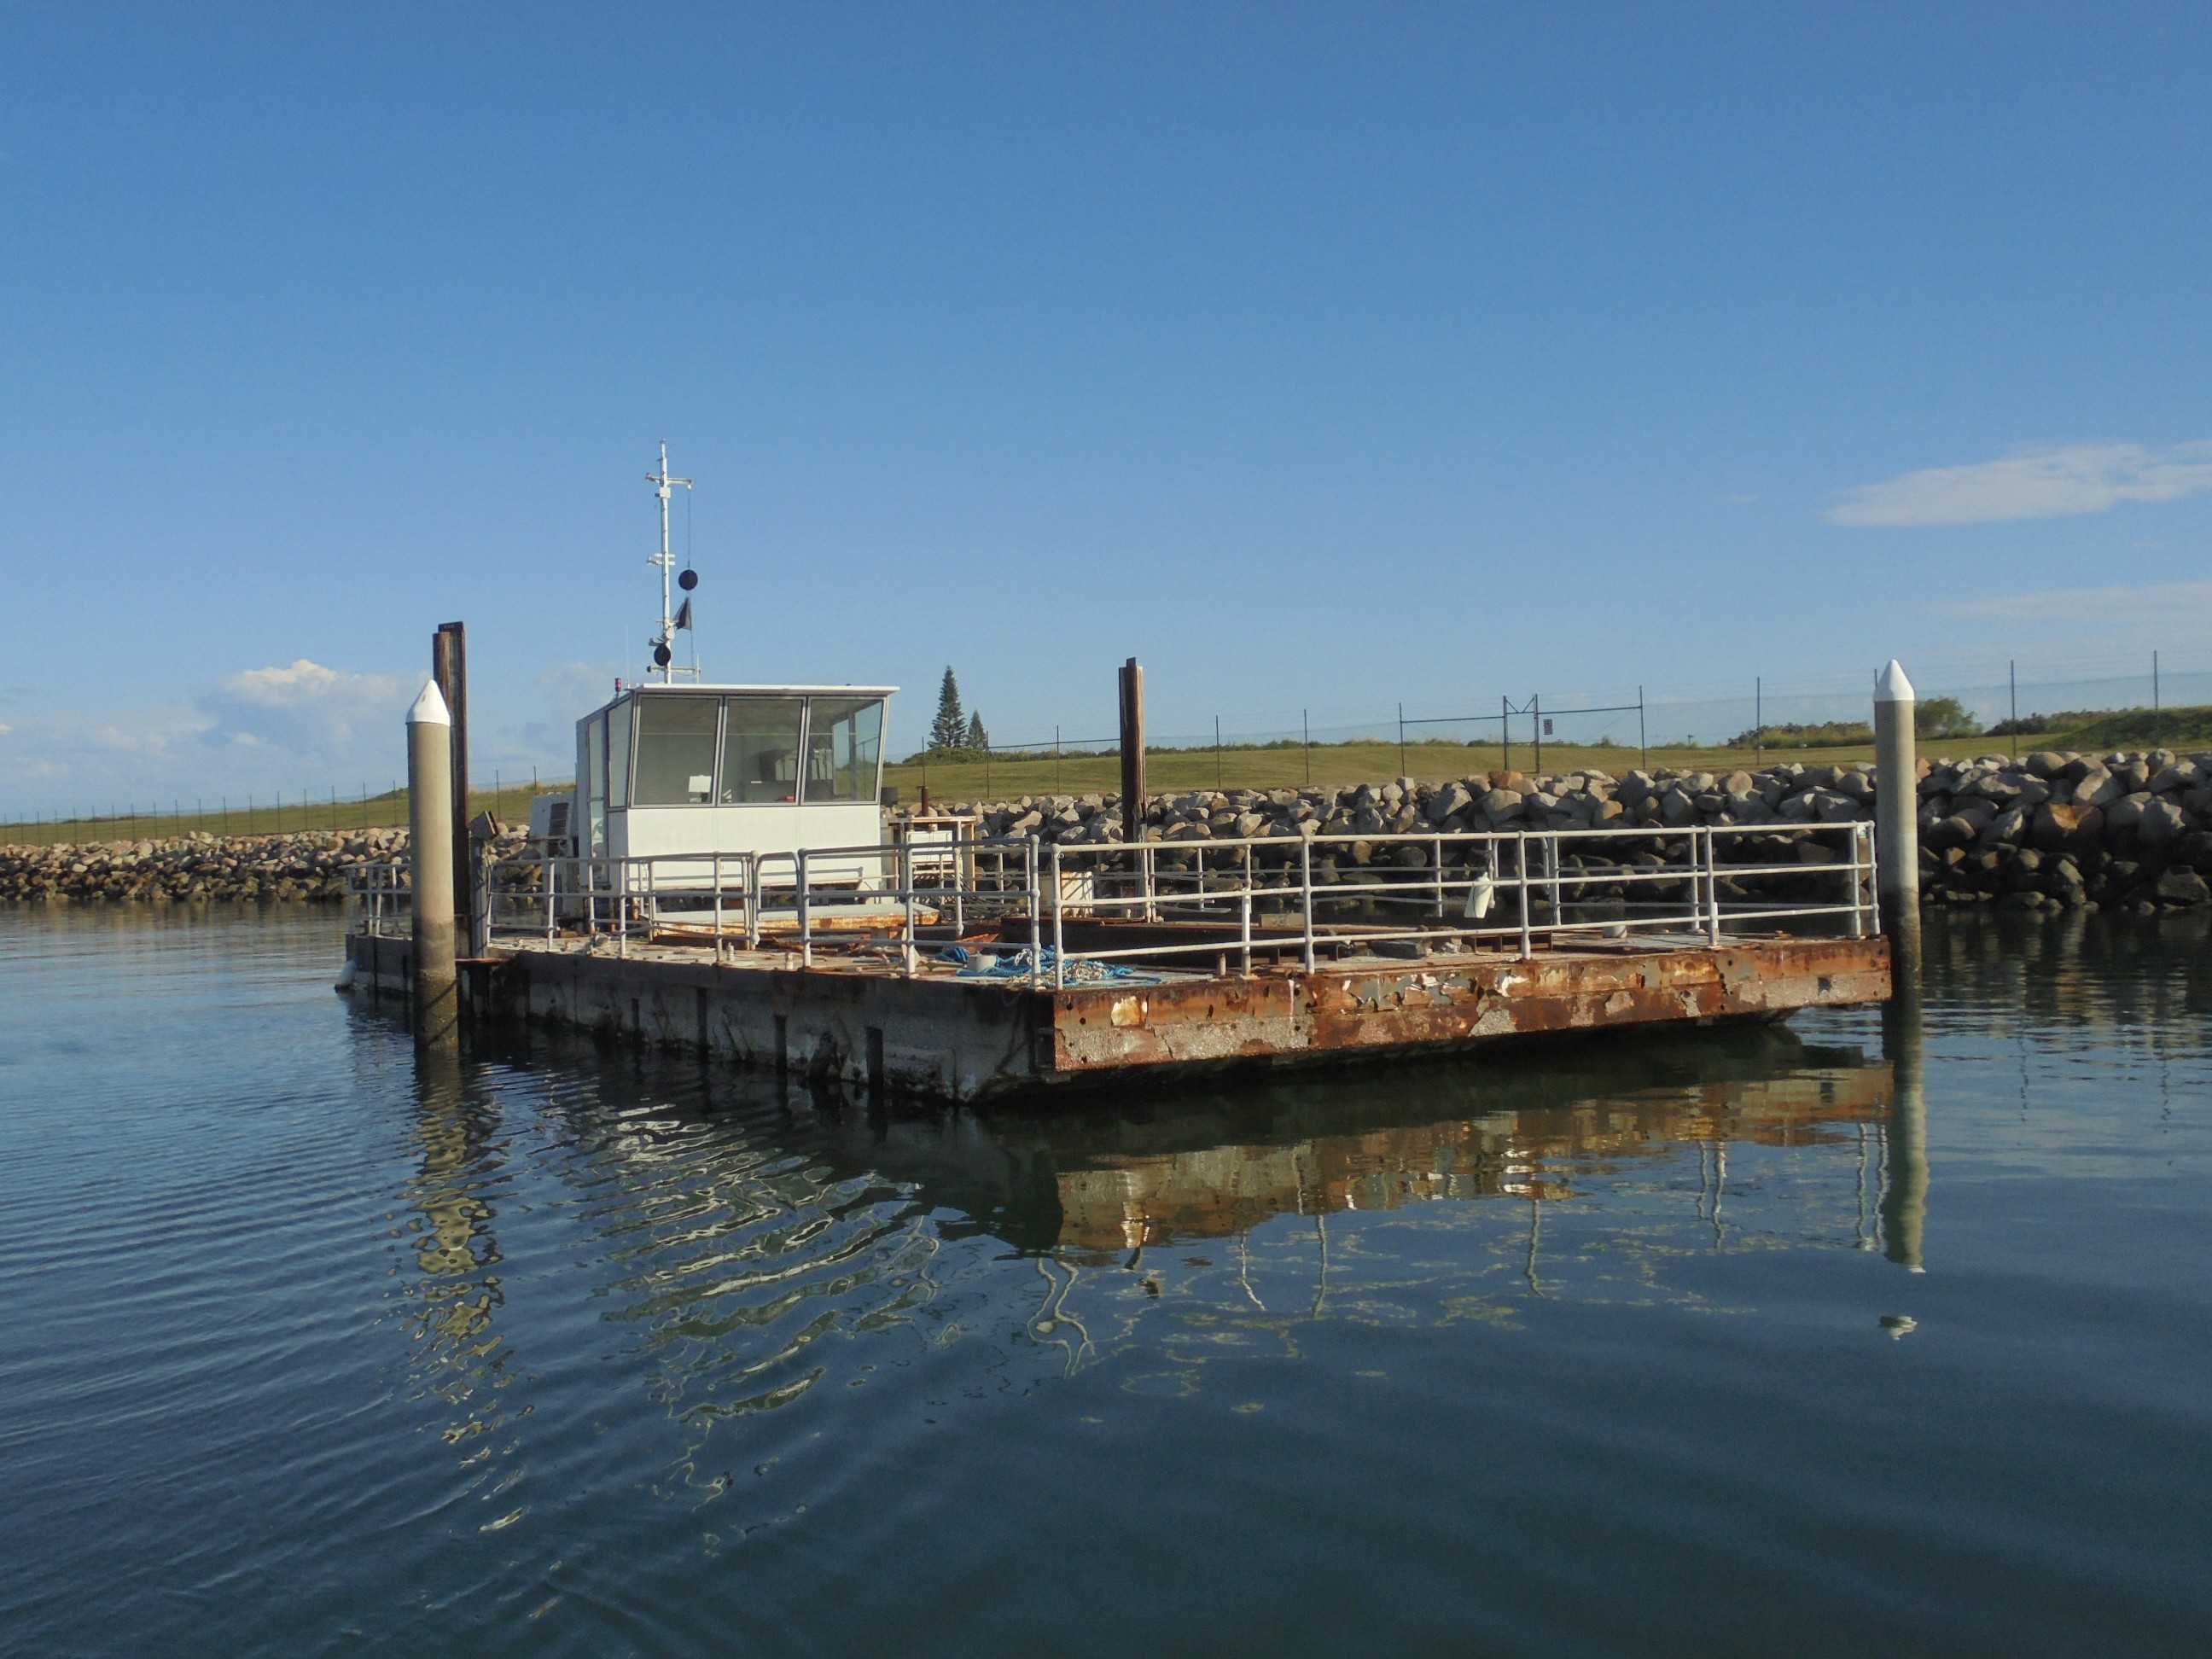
[949,729]
[978,738]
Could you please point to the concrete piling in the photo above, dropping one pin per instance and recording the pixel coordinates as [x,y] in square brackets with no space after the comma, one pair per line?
[1897,823]
[431,824]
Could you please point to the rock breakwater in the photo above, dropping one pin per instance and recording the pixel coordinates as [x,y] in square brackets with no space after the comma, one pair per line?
[308,866]
[2055,830]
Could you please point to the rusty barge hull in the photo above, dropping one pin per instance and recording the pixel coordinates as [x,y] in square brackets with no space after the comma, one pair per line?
[965,1039]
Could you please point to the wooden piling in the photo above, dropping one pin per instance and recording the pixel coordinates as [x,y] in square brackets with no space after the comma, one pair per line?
[1132,751]
[449,667]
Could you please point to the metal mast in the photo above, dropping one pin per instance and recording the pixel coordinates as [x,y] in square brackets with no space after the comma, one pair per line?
[664,642]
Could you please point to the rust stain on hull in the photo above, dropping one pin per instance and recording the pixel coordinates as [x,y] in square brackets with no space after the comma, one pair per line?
[1451,1003]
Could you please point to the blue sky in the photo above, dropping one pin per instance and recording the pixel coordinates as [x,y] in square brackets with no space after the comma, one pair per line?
[1323,357]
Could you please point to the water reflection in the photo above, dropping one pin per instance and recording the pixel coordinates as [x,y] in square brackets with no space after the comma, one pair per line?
[1095,1179]
[1905,1201]
[454,1291]
[758,1241]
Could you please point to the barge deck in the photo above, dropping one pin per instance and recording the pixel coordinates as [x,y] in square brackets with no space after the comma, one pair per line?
[971,970]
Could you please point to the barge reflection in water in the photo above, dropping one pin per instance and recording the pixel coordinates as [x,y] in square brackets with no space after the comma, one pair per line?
[749,1221]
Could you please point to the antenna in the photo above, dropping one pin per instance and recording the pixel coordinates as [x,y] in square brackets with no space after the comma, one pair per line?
[664,642]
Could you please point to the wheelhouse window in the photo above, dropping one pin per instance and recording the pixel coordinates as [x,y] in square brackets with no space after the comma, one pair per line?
[618,719]
[760,749]
[675,749]
[844,738]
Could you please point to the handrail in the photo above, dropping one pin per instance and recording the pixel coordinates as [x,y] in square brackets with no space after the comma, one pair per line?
[1303,895]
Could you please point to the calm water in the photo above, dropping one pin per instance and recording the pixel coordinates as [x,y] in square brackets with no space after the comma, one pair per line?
[1701,1344]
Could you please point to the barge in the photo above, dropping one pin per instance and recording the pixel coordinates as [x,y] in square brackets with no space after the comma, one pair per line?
[725,875]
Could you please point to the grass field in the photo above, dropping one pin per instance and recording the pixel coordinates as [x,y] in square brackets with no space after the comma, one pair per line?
[511,805]
[1166,771]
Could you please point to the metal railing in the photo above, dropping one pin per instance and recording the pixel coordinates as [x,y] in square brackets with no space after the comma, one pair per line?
[1304,897]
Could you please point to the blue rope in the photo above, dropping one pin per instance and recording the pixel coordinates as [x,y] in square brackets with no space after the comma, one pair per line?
[1018,964]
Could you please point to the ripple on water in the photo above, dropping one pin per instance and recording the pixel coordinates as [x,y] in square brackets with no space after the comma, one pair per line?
[559,1348]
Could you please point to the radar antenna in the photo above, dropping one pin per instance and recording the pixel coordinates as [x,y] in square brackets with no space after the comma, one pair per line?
[664,642]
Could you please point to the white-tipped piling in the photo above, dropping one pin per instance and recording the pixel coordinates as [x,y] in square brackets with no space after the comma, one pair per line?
[1897,823]
[430,825]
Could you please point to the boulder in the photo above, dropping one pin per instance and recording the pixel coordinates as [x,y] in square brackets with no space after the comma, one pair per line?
[2007,827]
[1956,830]
[1450,798]
[2056,825]
[1503,805]
[2125,814]
[2180,885]
[2163,823]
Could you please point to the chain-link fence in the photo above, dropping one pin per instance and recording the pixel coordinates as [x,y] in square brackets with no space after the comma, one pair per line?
[1616,727]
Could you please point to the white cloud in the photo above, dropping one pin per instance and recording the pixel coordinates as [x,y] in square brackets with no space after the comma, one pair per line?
[263,730]
[2172,608]
[320,718]
[2047,482]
